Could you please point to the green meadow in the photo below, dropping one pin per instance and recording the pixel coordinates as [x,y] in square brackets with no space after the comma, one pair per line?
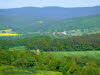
[90,54]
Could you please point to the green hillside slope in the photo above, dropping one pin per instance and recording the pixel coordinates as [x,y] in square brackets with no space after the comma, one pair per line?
[76,26]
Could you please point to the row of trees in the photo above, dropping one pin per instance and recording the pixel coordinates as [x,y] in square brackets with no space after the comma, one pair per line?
[45,43]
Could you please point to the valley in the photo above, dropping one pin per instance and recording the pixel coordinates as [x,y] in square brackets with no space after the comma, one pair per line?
[63,28]
[50,41]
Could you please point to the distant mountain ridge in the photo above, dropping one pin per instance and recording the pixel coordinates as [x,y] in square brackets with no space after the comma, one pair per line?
[60,12]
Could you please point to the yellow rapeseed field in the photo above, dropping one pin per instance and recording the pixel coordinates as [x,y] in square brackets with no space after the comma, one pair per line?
[8,34]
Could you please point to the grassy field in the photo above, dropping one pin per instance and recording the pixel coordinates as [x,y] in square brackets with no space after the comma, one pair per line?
[90,54]
[18,48]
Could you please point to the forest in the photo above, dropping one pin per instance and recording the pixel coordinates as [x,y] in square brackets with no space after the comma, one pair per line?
[45,43]
[32,24]
[27,61]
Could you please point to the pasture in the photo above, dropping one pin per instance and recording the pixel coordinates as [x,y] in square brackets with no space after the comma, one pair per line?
[18,48]
[90,54]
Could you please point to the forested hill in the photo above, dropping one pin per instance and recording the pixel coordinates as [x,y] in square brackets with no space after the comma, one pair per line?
[81,25]
[52,11]
[76,26]
[11,20]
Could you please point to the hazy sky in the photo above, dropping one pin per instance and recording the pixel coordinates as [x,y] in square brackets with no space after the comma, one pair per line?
[43,3]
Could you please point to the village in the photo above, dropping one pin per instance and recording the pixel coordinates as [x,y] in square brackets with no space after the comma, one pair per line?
[43,33]
[62,33]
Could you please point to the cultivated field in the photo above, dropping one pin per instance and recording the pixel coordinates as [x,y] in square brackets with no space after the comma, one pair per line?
[8,34]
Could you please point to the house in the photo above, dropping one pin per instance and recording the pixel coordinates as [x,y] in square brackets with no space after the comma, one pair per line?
[64,33]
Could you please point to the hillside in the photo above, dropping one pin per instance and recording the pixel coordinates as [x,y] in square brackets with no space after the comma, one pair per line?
[80,26]
[33,20]
[5,69]
[50,37]
[75,26]
[10,20]
[52,11]
[46,56]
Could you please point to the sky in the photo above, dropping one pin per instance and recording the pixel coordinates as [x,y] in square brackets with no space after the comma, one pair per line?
[4,4]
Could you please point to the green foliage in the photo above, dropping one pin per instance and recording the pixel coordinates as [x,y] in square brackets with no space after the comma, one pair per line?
[45,43]
[75,63]
[30,24]
[10,70]
[85,54]
[16,70]
[28,62]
